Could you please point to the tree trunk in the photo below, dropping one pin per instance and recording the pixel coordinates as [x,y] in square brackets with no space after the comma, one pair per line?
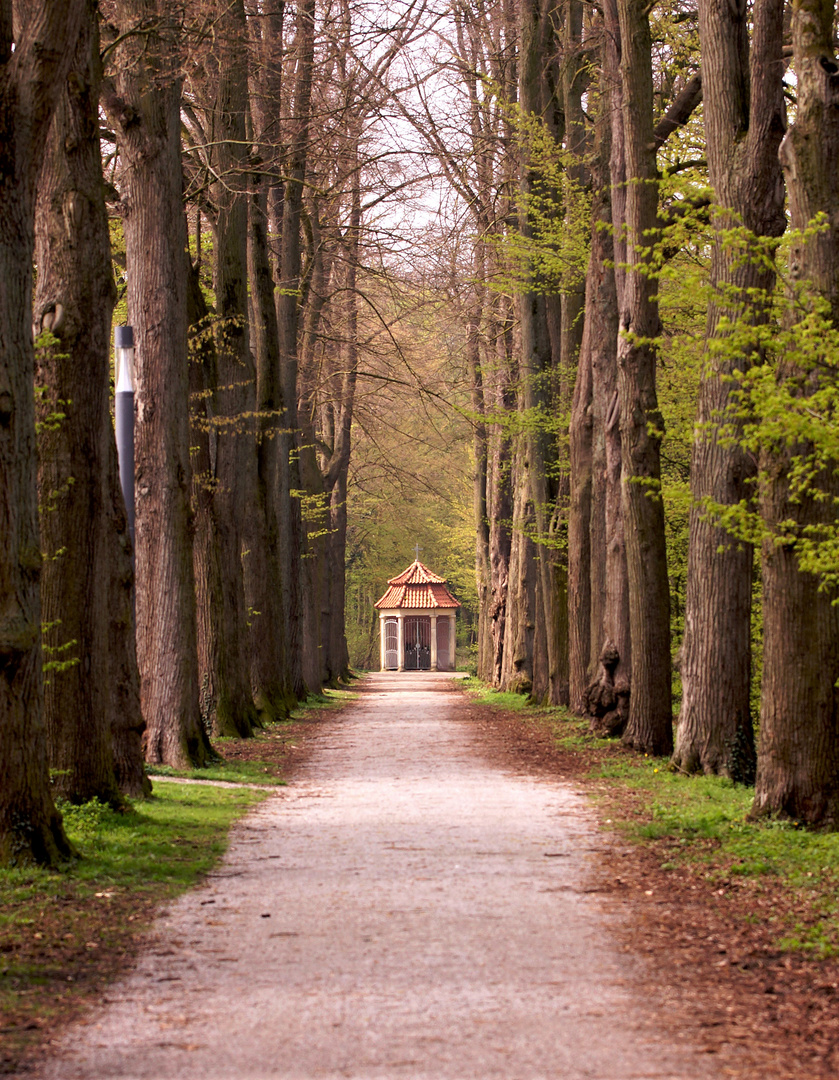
[533,628]
[798,756]
[265,561]
[288,302]
[92,689]
[610,657]
[650,724]
[744,122]
[145,106]
[31,74]
[225,687]
[500,485]
[270,667]
[474,319]
[521,606]
[587,448]
[338,467]
[316,437]
[579,529]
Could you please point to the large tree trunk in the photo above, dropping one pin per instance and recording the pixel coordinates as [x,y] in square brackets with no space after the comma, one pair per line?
[288,303]
[33,64]
[264,559]
[85,609]
[744,122]
[798,757]
[586,437]
[230,482]
[650,724]
[146,109]
[270,667]
[610,657]
[574,491]
[532,627]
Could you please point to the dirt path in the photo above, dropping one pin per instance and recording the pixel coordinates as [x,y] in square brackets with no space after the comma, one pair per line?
[403,909]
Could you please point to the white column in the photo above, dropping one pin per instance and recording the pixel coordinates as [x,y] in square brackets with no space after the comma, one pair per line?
[381,642]
[452,642]
[401,623]
[433,642]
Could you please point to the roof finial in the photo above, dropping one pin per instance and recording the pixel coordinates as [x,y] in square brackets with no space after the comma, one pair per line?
[417,549]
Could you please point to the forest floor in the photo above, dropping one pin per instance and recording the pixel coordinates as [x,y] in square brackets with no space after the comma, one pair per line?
[708,942]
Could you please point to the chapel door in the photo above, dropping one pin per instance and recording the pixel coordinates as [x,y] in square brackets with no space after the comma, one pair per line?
[391,644]
[418,643]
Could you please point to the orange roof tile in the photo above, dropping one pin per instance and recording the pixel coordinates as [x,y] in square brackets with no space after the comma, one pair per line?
[416,574]
[417,587]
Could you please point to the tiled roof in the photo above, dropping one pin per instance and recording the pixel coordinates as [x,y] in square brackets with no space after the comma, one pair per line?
[417,587]
[417,574]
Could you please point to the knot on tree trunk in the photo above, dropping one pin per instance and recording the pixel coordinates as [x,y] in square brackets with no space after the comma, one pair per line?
[607,698]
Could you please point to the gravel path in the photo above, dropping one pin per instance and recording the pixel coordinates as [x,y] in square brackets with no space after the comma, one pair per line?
[402,909]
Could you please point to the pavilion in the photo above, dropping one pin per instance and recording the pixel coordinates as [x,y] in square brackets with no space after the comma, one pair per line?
[417,622]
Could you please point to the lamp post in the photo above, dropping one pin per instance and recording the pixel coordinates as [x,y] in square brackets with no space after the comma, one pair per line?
[124,418]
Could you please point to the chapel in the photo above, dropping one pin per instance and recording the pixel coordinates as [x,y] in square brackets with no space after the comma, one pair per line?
[417,622]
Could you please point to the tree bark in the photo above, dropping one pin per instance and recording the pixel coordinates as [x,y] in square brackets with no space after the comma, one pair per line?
[229,485]
[650,724]
[798,756]
[586,516]
[533,620]
[145,107]
[86,602]
[265,561]
[499,484]
[744,123]
[337,467]
[610,657]
[31,75]
[288,303]
[480,450]
[270,667]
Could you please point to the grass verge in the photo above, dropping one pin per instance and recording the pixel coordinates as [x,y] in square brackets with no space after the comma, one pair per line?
[262,759]
[698,826]
[64,934]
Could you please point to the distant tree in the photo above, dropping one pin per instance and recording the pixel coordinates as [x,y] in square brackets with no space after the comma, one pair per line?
[37,41]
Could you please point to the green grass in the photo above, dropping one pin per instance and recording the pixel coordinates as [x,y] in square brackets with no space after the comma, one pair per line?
[569,732]
[64,933]
[705,819]
[258,772]
[161,845]
[499,699]
[234,772]
[701,825]
[329,699]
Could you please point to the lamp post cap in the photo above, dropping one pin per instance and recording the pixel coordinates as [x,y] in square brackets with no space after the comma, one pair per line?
[124,337]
